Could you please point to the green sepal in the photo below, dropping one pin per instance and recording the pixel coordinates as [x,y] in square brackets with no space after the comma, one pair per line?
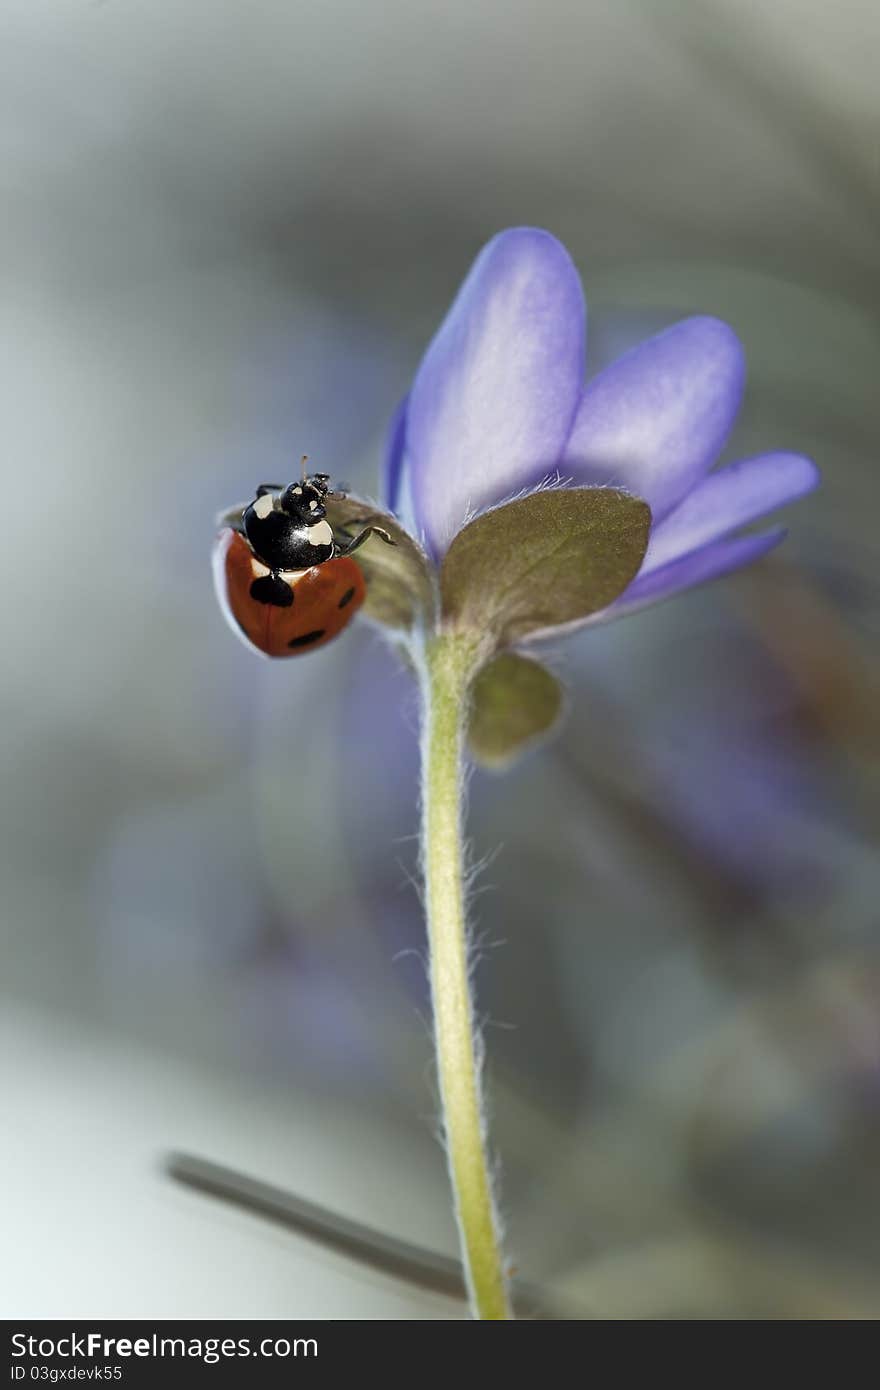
[400,588]
[544,560]
[232,517]
[515,702]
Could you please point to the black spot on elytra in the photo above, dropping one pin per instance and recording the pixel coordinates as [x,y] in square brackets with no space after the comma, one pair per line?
[269,589]
[307,638]
[346,598]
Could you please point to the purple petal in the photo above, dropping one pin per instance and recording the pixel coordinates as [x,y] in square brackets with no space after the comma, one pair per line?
[495,395]
[711,562]
[655,420]
[395,446]
[727,500]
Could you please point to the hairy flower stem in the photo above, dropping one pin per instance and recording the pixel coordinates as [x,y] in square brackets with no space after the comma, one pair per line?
[449,662]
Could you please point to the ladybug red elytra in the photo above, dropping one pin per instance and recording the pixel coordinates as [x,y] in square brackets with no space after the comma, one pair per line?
[284,581]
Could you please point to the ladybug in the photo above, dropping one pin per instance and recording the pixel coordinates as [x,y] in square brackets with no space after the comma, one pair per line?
[284,580]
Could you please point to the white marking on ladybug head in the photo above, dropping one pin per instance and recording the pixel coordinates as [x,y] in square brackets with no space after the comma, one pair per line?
[259,571]
[264,505]
[320,534]
[312,506]
[297,492]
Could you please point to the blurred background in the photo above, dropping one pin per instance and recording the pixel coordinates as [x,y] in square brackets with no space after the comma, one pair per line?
[229,232]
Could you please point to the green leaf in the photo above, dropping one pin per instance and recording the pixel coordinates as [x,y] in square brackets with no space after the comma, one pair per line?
[543,560]
[400,588]
[514,701]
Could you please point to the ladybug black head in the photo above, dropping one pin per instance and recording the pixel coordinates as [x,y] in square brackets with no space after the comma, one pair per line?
[288,529]
[305,500]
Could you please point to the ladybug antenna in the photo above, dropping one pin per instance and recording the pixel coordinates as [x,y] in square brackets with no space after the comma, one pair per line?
[304,461]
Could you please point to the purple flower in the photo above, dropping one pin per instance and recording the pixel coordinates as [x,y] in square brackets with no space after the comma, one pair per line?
[499,405]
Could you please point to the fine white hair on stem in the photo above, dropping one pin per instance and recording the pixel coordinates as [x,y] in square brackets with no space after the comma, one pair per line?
[446,667]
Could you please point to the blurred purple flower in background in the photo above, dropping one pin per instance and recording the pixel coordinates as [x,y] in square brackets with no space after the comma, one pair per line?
[499,406]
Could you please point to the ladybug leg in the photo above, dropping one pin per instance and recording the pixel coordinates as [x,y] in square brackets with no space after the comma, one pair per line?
[352,544]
